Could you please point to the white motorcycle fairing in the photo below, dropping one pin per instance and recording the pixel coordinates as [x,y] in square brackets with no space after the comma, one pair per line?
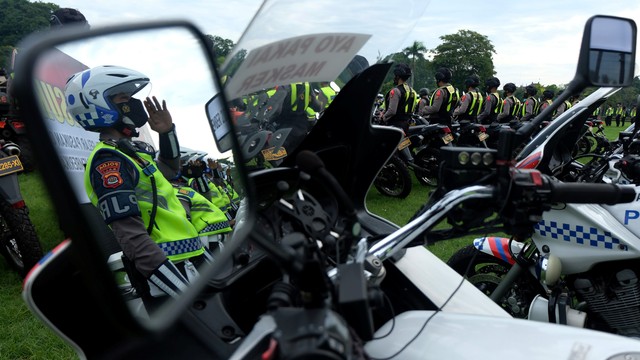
[583,235]
[441,335]
[443,286]
[580,235]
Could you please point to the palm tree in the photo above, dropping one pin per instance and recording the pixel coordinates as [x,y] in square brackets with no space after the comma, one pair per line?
[413,52]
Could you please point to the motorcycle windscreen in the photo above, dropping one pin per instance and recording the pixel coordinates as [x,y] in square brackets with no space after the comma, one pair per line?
[176,59]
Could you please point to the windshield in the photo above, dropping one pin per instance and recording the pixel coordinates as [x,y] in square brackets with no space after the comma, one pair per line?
[288,66]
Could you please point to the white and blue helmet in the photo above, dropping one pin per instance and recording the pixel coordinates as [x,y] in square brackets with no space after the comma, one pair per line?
[88,96]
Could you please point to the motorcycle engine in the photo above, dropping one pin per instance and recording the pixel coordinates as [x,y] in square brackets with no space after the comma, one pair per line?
[613,302]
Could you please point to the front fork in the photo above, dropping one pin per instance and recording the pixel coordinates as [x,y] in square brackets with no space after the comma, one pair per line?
[525,258]
[546,270]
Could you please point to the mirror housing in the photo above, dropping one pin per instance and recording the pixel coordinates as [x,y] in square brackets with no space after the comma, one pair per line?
[608,52]
[84,257]
[607,58]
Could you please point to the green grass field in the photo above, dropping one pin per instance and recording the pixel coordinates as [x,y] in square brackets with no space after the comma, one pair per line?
[22,336]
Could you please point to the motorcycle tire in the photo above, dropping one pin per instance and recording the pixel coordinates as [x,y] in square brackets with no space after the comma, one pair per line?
[485,272]
[19,243]
[26,154]
[394,179]
[585,145]
[428,159]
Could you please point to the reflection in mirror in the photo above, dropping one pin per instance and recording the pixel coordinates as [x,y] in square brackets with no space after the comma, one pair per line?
[109,103]
[611,51]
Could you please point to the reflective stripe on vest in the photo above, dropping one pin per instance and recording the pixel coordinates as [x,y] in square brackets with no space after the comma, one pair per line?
[329,93]
[476,103]
[536,106]
[219,197]
[175,250]
[295,101]
[515,106]
[205,216]
[452,95]
[498,107]
[408,100]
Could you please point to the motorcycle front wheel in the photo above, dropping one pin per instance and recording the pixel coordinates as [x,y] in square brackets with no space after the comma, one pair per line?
[394,179]
[19,243]
[485,272]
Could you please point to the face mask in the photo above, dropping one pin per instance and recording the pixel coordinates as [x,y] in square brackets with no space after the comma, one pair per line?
[133,113]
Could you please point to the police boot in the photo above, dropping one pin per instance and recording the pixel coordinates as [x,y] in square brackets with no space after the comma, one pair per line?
[168,279]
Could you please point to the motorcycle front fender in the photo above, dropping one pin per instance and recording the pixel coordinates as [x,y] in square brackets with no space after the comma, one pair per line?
[498,247]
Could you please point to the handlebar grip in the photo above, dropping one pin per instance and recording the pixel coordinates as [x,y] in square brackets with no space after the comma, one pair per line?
[589,193]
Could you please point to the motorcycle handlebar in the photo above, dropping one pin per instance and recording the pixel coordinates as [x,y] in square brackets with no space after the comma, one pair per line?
[588,193]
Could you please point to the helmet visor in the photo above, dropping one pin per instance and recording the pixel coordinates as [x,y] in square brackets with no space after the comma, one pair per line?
[130,88]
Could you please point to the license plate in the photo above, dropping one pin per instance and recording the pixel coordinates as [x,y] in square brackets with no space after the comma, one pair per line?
[406,142]
[447,138]
[482,136]
[270,154]
[10,165]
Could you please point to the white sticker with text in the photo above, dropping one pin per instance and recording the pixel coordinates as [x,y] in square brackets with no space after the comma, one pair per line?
[308,58]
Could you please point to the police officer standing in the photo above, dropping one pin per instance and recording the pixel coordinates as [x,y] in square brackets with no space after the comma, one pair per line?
[423,102]
[547,100]
[492,103]
[400,100]
[297,107]
[510,104]
[326,93]
[530,108]
[443,100]
[120,172]
[567,104]
[608,115]
[619,112]
[471,102]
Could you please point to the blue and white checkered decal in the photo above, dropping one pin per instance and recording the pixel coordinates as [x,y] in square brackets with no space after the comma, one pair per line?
[578,234]
[180,246]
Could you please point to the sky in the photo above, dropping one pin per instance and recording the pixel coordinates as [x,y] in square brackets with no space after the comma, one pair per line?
[535,41]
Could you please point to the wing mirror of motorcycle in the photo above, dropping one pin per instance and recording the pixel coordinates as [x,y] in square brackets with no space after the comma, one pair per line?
[179,62]
[607,58]
[608,52]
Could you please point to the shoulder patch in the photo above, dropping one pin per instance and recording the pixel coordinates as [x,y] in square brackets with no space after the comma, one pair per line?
[438,93]
[186,192]
[110,172]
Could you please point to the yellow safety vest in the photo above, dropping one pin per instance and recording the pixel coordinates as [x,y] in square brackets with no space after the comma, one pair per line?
[172,230]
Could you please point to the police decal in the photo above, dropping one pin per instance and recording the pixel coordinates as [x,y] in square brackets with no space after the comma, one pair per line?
[110,172]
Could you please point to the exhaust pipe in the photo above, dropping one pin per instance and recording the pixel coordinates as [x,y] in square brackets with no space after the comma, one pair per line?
[11,148]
